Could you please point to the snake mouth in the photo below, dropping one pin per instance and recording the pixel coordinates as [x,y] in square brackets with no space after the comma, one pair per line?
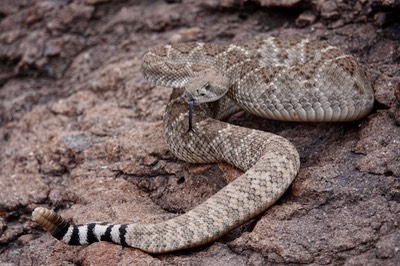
[188,97]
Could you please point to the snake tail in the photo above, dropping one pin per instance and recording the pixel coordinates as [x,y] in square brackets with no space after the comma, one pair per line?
[82,234]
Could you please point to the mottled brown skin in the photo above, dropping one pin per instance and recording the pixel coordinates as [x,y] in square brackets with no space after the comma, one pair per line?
[296,80]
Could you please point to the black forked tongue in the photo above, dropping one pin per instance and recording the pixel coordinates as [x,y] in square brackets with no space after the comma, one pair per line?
[191,105]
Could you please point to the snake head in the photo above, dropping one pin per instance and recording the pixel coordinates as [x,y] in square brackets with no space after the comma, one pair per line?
[207,86]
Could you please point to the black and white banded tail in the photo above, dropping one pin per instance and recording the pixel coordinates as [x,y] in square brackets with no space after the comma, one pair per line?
[83,234]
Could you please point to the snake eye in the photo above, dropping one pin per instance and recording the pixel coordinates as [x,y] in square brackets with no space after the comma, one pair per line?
[207,86]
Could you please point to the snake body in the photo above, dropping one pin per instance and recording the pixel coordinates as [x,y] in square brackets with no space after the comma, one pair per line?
[293,80]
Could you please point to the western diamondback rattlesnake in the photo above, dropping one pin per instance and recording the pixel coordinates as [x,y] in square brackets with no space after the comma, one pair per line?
[280,79]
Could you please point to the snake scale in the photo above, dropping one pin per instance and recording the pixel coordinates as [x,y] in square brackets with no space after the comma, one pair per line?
[281,79]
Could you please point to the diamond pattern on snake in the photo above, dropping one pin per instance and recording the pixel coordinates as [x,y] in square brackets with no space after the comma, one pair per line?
[280,79]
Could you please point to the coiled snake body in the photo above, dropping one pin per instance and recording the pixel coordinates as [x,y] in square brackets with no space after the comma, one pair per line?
[293,80]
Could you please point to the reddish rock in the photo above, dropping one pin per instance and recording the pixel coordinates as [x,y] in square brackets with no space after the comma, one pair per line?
[81,132]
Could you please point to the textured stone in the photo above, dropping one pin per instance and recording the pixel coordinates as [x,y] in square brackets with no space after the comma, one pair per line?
[343,207]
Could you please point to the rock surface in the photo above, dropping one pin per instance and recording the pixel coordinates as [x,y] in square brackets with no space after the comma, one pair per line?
[81,132]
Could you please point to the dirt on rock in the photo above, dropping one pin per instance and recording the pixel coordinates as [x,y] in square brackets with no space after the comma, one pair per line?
[81,132]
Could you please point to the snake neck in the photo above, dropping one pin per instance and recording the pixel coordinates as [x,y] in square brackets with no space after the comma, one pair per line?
[210,140]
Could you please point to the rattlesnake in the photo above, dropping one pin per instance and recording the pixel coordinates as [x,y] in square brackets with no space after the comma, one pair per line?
[293,80]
